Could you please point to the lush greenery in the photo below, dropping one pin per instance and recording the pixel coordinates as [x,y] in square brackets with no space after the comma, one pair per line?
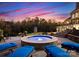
[11,28]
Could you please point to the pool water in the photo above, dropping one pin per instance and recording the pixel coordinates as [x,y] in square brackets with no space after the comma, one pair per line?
[40,38]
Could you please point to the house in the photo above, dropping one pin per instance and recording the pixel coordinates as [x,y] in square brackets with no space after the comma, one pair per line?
[72,21]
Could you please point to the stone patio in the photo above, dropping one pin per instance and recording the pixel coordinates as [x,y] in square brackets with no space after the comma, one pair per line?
[40,53]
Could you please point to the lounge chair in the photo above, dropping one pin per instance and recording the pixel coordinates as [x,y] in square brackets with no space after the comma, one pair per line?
[70,46]
[22,52]
[55,51]
[7,47]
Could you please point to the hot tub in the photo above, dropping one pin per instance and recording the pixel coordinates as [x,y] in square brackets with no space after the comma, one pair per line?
[39,40]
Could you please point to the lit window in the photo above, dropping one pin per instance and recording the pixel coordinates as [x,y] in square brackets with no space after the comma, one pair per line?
[72,15]
[76,15]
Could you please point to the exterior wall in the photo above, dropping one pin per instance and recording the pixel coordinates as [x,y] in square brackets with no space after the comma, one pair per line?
[62,28]
[75,14]
[76,26]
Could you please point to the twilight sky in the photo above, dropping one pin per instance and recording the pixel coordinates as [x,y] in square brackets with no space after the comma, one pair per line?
[17,11]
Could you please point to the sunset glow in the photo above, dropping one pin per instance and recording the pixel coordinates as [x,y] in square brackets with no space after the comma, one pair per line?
[18,11]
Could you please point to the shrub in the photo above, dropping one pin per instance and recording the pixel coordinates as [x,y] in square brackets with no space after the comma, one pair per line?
[1,37]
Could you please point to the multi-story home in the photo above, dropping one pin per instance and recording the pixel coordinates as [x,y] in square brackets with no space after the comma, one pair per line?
[72,21]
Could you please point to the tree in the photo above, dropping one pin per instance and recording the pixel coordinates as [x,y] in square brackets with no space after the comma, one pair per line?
[11,28]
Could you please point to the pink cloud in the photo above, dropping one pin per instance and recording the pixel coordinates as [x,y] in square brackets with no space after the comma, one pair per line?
[35,11]
[44,13]
[42,9]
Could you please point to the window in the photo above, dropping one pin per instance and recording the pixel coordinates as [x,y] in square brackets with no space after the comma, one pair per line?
[72,16]
[76,14]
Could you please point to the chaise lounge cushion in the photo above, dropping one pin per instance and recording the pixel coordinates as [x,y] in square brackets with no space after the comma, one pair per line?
[56,51]
[70,45]
[7,45]
[22,52]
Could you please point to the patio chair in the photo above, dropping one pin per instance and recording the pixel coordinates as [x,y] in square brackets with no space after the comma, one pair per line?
[7,47]
[70,46]
[22,52]
[55,51]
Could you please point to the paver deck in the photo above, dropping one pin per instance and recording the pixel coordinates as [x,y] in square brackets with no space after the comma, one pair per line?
[18,41]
